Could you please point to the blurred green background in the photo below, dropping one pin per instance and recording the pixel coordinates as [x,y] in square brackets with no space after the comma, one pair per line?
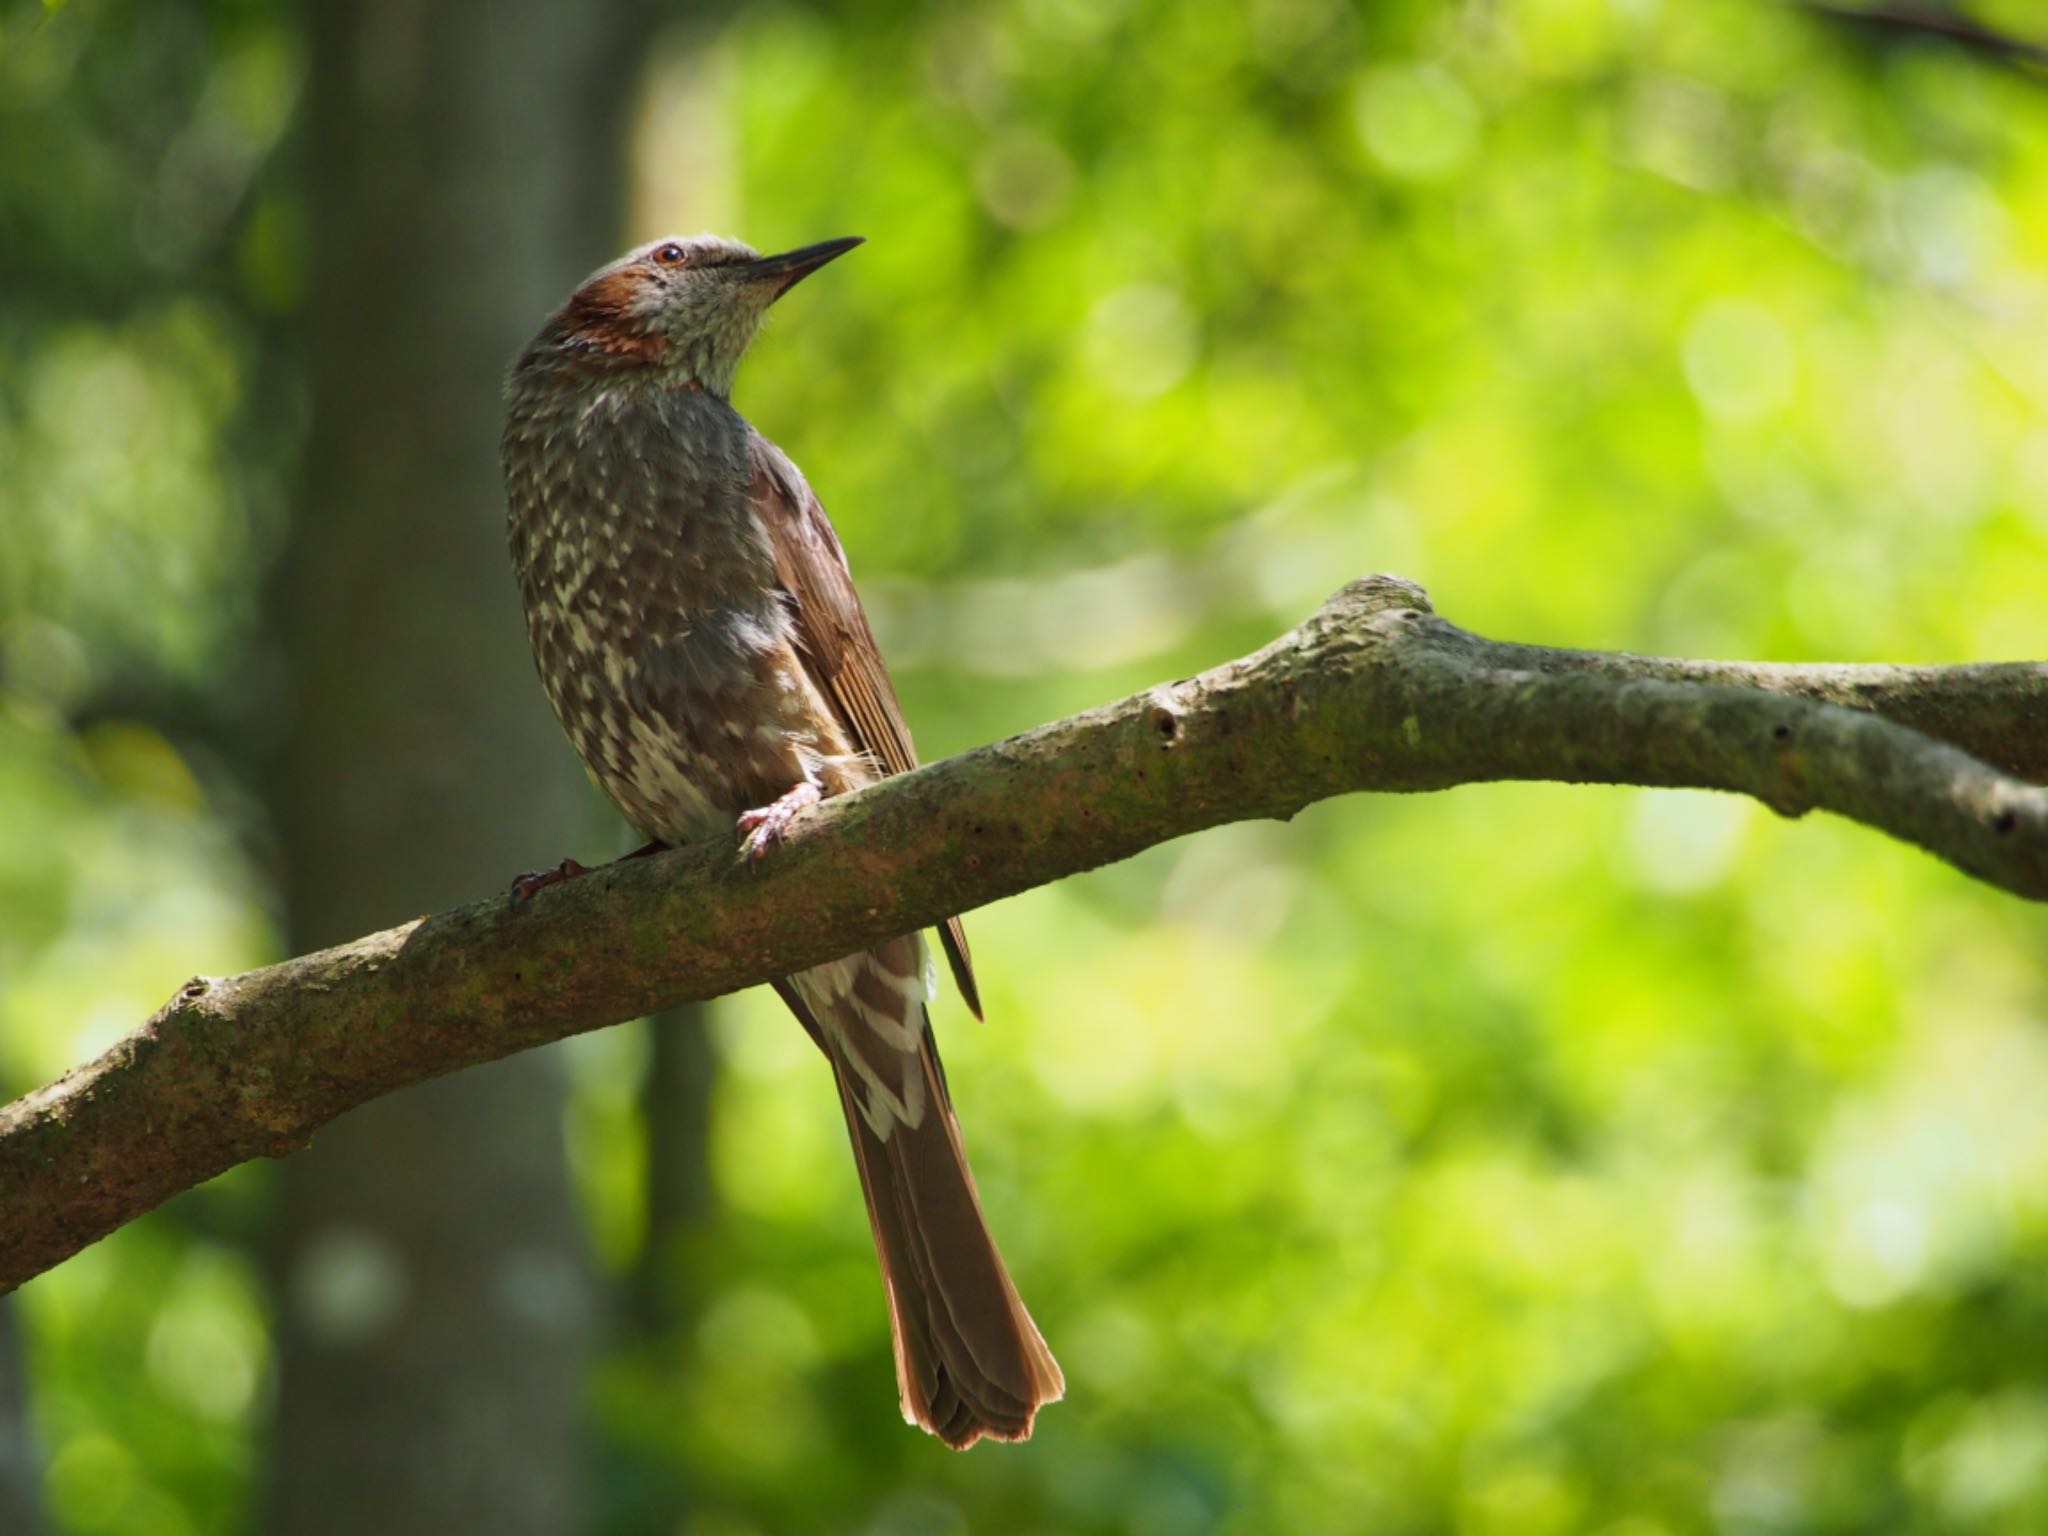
[1514,1161]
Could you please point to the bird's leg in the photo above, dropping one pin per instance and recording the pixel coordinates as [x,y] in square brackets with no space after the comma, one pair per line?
[760,830]
[524,886]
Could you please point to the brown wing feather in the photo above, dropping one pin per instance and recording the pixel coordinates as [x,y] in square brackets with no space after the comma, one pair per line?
[838,645]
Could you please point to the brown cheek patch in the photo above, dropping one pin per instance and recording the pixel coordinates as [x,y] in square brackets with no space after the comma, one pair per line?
[601,313]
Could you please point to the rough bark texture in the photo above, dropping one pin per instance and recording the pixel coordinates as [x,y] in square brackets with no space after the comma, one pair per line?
[1372,692]
[435,1311]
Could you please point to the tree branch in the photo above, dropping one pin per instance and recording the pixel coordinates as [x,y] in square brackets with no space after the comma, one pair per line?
[1373,692]
[1921,21]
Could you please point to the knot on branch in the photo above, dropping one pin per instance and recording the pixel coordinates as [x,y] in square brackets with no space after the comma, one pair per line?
[1164,719]
[1378,593]
[1371,608]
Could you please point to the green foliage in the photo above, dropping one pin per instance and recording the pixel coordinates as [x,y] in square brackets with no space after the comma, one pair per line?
[1519,1160]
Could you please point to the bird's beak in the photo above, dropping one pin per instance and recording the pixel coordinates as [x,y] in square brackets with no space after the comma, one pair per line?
[784,272]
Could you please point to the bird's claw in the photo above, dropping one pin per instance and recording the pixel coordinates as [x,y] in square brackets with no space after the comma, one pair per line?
[759,830]
[524,886]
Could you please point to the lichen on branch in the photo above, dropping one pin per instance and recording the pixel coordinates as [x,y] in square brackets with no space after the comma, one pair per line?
[1372,692]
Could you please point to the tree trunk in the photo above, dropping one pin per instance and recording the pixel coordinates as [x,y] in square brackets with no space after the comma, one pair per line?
[20,1467]
[434,1301]
[675,1110]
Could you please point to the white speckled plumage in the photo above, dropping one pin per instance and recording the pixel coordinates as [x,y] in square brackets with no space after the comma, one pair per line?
[697,633]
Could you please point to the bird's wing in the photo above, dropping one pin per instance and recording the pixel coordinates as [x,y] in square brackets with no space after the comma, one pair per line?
[835,639]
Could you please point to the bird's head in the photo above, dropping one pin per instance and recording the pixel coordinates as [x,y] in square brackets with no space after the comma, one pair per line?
[687,307]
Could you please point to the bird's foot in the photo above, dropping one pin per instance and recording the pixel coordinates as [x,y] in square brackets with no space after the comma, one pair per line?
[762,829]
[524,886]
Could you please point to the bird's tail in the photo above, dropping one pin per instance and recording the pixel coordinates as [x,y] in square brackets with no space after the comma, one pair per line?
[969,1360]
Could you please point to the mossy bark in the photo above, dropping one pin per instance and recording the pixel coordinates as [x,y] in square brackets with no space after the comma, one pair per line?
[1373,692]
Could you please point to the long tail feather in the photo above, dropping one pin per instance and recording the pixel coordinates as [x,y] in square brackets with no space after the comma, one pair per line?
[969,1360]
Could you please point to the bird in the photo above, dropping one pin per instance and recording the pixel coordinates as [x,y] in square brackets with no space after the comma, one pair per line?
[696,628]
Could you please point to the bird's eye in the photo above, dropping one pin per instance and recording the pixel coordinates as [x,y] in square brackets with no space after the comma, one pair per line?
[670,255]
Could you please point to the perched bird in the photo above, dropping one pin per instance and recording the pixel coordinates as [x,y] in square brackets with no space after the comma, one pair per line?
[698,633]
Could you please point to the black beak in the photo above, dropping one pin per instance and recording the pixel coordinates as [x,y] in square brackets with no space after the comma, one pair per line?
[784,272]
